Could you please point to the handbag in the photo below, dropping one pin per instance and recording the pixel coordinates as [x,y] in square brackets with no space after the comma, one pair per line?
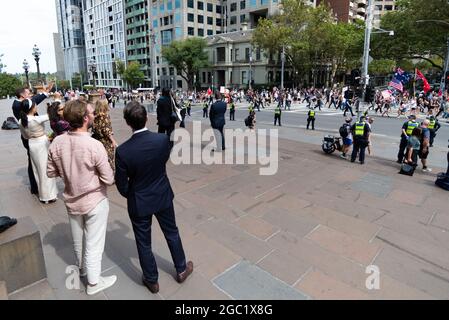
[176,113]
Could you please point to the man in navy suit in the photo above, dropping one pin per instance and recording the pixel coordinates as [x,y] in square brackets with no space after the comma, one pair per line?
[23,94]
[141,177]
[217,118]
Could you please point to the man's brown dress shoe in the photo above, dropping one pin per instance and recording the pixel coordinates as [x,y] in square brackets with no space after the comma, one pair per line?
[153,287]
[181,277]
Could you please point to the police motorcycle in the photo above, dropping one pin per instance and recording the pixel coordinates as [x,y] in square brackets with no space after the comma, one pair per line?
[331,143]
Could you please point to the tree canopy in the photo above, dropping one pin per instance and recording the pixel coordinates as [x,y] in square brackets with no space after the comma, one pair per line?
[414,39]
[8,84]
[187,56]
[131,74]
[311,36]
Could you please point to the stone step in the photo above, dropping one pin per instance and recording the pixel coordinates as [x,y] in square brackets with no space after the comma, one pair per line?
[3,292]
[38,291]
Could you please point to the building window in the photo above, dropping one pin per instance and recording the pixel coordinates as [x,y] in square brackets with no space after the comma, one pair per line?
[200,5]
[210,7]
[253,3]
[244,77]
[170,6]
[242,5]
[210,20]
[177,4]
[233,6]
[210,32]
[218,9]
[242,18]
[218,22]
[233,19]
[190,17]
[200,32]
[190,31]
[204,77]
[190,4]
[258,54]
[200,19]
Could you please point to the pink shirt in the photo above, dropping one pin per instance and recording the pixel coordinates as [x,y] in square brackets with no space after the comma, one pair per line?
[82,162]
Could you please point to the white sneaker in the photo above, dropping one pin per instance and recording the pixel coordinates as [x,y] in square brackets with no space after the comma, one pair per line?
[103,283]
[427,170]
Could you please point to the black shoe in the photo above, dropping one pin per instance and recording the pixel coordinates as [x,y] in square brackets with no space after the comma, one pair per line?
[399,161]
[6,222]
[352,160]
[362,162]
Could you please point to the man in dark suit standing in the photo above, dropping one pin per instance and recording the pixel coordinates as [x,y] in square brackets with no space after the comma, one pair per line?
[217,118]
[141,177]
[164,111]
[23,94]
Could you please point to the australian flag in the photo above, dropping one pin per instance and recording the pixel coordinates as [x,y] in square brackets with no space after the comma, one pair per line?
[402,76]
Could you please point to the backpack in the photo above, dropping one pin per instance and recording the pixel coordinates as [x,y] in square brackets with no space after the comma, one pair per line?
[344,131]
[247,121]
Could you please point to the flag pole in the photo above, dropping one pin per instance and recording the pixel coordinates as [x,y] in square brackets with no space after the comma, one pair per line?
[414,85]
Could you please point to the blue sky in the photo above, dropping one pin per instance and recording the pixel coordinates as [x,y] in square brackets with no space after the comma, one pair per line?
[24,23]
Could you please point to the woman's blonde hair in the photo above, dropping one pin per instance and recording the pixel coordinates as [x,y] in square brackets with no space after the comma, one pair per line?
[102,106]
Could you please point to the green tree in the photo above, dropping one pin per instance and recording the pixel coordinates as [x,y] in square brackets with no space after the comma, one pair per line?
[133,74]
[381,67]
[187,56]
[8,84]
[414,40]
[311,38]
[63,84]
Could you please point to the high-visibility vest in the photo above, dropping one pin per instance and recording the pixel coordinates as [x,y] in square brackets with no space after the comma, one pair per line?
[232,106]
[277,111]
[359,128]
[312,114]
[205,105]
[410,126]
[250,108]
[432,124]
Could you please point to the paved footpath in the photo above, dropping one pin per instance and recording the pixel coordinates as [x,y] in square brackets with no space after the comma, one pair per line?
[308,232]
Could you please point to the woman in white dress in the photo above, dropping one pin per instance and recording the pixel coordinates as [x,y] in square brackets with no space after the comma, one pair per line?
[32,128]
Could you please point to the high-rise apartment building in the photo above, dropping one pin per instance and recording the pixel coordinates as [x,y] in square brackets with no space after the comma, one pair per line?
[380,8]
[71,36]
[137,36]
[104,28]
[347,10]
[59,55]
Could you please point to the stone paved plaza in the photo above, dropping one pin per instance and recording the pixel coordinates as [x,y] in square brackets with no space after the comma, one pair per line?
[308,232]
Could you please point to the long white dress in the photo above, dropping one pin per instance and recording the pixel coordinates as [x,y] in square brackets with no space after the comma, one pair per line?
[38,142]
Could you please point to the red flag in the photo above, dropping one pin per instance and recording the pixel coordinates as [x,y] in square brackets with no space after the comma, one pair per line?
[426,83]
[209,91]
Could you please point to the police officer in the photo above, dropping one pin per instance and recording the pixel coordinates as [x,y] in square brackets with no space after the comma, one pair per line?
[407,129]
[183,114]
[205,108]
[360,131]
[311,118]
[250,107]
[189,107]
[434,126]
[232,111]
[277,115]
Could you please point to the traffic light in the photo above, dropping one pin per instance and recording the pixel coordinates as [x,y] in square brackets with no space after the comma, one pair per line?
[369,94]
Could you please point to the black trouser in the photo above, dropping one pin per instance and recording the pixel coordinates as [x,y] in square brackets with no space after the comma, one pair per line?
[402,148]
[188,111]
[232,115]
[168,131]
[348,108]
[309,119]
[432,136]
[142,233]
[277,118]
[33,183]
[359,147]
[183,117]
[205,113]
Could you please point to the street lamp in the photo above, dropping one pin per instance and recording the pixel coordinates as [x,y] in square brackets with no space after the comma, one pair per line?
[152,37]
[93,70]
[26,67]
[282,67]
[37,53]
[446,63]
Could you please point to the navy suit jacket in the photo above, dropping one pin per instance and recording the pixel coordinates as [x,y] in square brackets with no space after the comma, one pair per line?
[141,175]
[16,104]
[217,114]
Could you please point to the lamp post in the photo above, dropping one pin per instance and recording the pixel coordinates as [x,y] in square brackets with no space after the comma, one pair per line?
[37,53]
[282,67]
[93,70]
[152,37]
[26,67]
[250,68]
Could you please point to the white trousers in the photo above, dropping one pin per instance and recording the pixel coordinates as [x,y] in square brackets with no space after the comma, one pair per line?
[89,234]
[39,157]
